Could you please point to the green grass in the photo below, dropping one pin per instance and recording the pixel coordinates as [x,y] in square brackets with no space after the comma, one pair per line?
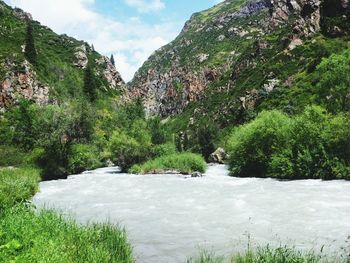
[46,236]
[185,163]
[268,255]
[27,236]
[17,185]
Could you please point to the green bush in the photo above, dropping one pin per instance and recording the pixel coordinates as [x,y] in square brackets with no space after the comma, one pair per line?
[158,134]
[185,163]
[83,157]
[27,235]
[251,146]
[17,185]
[132,147]
[312,145]
[11,156]
[6,131]
[334,81]
[164,149]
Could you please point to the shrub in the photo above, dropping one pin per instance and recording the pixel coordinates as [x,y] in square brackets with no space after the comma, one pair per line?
[132,147]
[158,134]
[185,163]
[334,82]
[251,146]
[312,145]
[6,132]
[83,157]
[164,149]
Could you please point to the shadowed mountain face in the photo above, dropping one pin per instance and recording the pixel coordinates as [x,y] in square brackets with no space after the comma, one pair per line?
[229,58]
[58,73]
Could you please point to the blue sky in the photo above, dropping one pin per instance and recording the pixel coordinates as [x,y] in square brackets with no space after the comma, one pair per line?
[130,29]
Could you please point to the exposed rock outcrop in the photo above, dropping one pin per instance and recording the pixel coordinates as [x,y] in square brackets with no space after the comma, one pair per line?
[309,15]
[21,84]
[169,93]
[111,74]
[81,59]
[23,15]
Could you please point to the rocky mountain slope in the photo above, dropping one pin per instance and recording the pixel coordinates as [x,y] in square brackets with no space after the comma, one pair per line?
[59,73]
[241,56]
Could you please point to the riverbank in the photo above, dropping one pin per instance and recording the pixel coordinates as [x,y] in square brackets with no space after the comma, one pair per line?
[28,236]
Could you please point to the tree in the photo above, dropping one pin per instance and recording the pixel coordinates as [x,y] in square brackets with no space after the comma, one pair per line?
[334,82]
[90,84]
[30,50]
[23,118]
[112,60]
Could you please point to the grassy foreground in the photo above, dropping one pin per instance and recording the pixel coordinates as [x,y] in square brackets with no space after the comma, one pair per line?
[17,185]
[45,236]
[184,163]
[270,255]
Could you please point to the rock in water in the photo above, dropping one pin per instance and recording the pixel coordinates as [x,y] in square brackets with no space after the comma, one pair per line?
[196,174]
[219,156]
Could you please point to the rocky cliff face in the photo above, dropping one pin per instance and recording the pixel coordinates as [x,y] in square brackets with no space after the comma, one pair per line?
[59,74]
[21,84]
[217,48]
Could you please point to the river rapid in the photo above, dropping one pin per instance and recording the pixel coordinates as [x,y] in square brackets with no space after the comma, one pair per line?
[169,218]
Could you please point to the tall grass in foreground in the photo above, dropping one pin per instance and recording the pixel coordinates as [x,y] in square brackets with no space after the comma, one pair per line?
[269,255]
[27,236]
[185,163]
[17,185]
[45,236]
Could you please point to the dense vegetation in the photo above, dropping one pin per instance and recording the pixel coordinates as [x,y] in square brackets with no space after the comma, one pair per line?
[185,163]
[313,144]
[17,185]
[78,136]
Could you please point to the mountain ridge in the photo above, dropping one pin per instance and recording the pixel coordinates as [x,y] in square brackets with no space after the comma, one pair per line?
[219,47]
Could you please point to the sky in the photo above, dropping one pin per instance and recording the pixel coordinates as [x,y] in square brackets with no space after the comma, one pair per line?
[131,30]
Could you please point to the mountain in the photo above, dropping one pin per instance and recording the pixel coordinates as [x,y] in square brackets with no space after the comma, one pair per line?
[240,57]
[58,74]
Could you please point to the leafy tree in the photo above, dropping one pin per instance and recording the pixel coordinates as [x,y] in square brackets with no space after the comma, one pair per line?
[312,145]
[23,118]
[112,60]
[90,89]
[30,50]
[133,146]
[157,131]
[334,82]
[252,146]
[206,136]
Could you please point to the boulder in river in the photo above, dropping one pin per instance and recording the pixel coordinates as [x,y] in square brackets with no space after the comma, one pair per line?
[196,174]
[219,156]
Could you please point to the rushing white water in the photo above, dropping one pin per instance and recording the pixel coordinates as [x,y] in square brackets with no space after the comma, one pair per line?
[169,218]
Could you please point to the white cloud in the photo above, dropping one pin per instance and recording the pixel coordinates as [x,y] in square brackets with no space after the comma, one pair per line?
[144,6]
[132,41]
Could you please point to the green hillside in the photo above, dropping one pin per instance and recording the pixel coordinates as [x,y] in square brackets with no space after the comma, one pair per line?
[239,57]
[57,66]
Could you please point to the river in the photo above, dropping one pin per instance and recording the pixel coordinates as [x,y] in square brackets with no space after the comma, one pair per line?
[169,218]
